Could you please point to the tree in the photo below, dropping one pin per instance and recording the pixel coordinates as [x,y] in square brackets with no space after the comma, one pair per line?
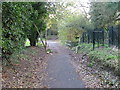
[72,28]
[13,37]
[38,13]
[20,20]
[103,13]
[70,23]
[0,26]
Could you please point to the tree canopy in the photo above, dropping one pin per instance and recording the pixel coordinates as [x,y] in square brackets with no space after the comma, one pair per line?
[22,20]
[19,20]
[103,13]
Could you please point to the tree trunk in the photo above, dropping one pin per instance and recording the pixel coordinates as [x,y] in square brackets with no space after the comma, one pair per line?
[32,42]
[40,37]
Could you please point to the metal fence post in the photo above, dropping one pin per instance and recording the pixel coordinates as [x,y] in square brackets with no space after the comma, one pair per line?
[83,37]
[93,40]
[103,37]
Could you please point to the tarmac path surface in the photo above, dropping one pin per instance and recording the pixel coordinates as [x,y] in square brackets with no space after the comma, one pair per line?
[60,72]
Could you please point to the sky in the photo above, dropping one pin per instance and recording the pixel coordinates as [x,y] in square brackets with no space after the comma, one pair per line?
[78,8]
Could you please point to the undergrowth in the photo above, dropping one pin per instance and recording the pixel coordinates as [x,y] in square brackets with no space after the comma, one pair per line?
[104,55]
[23,54]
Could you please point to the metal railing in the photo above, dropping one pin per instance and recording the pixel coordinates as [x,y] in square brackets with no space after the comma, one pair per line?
[109,37]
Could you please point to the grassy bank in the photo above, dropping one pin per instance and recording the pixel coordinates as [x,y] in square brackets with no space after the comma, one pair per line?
[103,62]
[104,56]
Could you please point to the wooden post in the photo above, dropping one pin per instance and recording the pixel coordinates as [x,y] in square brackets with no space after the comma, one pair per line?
[46,38]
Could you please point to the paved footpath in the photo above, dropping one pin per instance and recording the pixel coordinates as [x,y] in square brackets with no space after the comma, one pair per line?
[60,71]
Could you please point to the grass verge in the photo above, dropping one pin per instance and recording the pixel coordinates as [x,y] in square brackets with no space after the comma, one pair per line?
[104,60]
[105,56]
